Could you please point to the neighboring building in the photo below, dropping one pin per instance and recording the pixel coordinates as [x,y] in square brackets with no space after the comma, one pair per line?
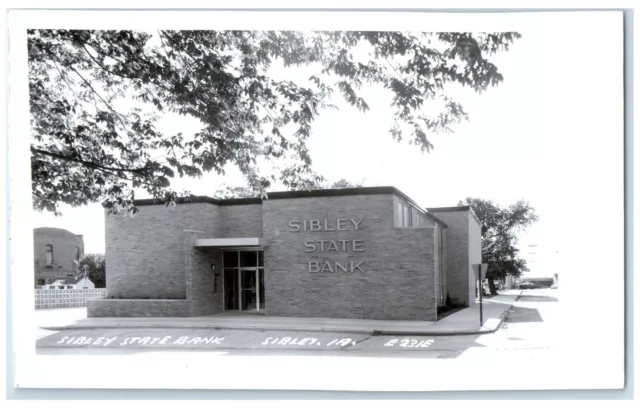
[368,253]
[55,251]
[70,282]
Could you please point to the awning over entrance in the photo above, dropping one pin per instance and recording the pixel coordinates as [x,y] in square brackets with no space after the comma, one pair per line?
[229,242]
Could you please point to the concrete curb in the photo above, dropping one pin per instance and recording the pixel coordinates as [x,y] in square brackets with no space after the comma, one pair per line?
[295,329]
[447,333]
[166,327]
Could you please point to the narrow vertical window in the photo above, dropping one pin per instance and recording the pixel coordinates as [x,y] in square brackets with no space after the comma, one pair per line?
[414,217]
[398,214]
[78,254]
[406,222]
[49,255]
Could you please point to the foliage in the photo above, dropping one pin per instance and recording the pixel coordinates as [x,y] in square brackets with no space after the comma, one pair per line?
[225,192]
[94,266]
[343,183]
[499,239]
[96,98]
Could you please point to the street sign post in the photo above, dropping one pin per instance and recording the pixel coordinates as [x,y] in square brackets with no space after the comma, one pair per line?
[480,270]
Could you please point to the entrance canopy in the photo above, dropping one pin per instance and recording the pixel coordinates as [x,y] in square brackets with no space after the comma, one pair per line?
[229,242]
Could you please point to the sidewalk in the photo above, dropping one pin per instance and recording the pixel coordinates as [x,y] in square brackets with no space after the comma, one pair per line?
[466,321]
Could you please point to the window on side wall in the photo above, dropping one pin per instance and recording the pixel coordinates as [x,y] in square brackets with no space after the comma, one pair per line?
[415,220]
[406,218]
[49,255]
[398,214]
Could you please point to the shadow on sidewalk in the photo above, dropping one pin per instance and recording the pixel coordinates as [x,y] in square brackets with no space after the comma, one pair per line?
[533,298]
[524,315]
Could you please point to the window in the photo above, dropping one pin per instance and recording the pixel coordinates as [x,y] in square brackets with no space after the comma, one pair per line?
[407,216]
[40,282]
[398,215]
[49,255]
[414,218]
[78,254]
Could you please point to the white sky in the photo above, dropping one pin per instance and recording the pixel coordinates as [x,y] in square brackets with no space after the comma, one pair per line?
[497,155]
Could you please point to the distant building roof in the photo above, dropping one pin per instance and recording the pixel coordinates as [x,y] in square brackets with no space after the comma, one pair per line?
[71,280]
[60,232]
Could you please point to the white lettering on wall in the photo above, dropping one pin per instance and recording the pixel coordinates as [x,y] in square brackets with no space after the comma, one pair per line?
[329,245]
[340,224]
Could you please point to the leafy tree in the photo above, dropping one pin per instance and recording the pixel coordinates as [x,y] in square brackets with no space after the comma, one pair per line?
[499,239]
[96,97]
[343,183]
[225,192]
[93,266]
[247,192]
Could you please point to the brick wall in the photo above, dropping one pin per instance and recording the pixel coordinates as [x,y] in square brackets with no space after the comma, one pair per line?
[204,296]
[64,245]
[398,277]
[146,255]
[136,308]
[475,249]
[459,272]
[240,221]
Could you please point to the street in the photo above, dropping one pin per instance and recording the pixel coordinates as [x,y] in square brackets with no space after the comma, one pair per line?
[528,327]
[521,354]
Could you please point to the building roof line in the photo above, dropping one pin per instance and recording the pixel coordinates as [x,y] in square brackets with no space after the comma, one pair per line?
[279,195]
[454,209]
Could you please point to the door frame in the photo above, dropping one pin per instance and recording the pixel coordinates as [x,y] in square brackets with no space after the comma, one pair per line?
[239,270]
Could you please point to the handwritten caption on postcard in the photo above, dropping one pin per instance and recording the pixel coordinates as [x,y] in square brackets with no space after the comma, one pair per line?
[306,341]
[139,341]
[409,343]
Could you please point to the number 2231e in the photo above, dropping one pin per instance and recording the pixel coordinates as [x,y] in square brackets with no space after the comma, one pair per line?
[409,343]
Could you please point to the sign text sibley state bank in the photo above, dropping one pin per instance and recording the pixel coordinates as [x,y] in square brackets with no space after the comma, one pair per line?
[367,253]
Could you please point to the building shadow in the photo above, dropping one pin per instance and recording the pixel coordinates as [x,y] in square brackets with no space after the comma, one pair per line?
[533,298]
[524,315]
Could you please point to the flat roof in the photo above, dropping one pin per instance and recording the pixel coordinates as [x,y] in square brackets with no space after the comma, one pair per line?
[450,209]
[436,219]
[454,209]
[279,195]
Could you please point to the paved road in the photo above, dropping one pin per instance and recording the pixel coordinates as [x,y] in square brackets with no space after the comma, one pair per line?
[528,327]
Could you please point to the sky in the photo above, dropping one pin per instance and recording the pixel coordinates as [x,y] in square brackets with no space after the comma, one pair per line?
[496,155]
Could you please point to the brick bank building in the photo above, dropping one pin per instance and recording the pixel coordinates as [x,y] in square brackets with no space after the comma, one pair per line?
[367,253]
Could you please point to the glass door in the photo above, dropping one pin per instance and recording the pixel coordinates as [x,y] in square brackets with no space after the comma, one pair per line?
[249,289]
[231,292]
[243,280]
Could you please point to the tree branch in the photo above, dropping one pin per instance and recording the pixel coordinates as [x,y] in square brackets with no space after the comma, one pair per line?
[114,73]
[118,115]
[87,163]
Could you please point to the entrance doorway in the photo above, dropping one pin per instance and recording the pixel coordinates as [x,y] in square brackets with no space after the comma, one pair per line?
[243,280]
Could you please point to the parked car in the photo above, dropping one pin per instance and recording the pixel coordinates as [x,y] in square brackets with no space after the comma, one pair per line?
[527,285]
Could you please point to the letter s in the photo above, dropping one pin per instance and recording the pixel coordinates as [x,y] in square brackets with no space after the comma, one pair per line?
[310,246]
[266,341]
[294,224]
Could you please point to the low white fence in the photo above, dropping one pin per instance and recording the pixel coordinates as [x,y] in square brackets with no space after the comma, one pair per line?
[52,298]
